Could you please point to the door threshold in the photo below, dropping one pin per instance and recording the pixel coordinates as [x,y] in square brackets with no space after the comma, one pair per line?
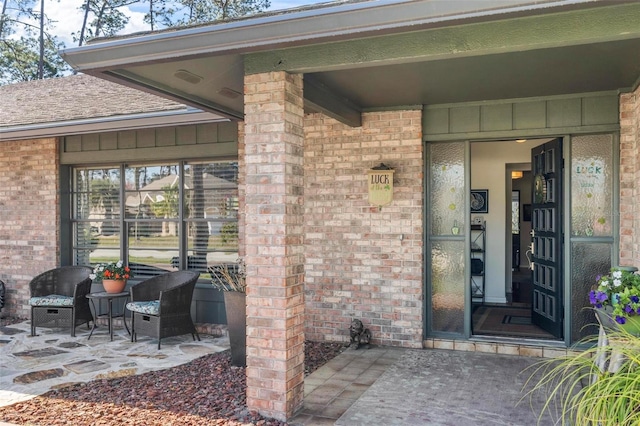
[529,341]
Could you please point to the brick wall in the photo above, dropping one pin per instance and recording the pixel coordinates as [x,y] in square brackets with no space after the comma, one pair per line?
[629,175]
[29,217]
[363,261]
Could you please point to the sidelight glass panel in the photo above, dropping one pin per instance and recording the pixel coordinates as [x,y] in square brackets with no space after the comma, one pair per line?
[588,262]
[591,185]
[448,286]
[447,189]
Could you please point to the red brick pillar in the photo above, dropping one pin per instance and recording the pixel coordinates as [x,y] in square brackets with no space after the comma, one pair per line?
[273,242]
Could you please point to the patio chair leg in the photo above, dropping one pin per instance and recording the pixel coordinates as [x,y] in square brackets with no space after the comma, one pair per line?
[158,344]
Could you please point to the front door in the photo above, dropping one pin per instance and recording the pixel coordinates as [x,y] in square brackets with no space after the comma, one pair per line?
[547,304]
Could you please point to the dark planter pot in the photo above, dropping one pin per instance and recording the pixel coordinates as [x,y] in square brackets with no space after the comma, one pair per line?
[236,308]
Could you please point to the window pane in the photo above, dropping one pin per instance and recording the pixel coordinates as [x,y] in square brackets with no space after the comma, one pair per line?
[153,247]
[152,191]
[92,246]
[153,214]
[95,194]
[95,215]
[211,212]
[211,191]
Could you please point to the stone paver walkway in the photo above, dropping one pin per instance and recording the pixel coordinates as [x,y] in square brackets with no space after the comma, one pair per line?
[31,366]
[408,387]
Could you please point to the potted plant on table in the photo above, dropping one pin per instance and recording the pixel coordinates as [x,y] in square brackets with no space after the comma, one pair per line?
[114,275]
[617,299]
[231,280]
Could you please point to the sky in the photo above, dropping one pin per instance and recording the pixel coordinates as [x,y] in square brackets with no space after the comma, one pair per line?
[68,16]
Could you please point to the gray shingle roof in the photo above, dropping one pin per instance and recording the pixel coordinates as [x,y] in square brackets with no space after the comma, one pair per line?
[74,98]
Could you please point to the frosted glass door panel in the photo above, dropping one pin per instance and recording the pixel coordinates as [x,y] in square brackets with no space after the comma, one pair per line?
[591,185]
[446,203]
[588,261]
[448,289]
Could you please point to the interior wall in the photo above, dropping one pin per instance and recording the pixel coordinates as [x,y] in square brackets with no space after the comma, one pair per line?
[488,171]
[524,186]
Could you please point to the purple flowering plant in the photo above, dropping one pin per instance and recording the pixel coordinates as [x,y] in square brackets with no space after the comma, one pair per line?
[619,289]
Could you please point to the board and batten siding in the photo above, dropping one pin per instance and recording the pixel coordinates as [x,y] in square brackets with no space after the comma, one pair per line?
[516,118]
[209,140]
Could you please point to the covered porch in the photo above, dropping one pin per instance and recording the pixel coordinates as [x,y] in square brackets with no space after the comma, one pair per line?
[320,103]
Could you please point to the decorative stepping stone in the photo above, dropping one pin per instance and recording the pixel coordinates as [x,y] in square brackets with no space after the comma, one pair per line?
[38,376]
[195,349]
[159,356]
[71,345]
[9,331]
[117,374]
[40,353]
[86,366]
[64,385]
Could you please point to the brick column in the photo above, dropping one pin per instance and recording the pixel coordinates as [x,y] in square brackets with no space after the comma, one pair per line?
[273,242]
[629,175]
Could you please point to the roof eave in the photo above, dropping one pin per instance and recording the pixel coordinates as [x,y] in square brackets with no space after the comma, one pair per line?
[300,27]
[108,124]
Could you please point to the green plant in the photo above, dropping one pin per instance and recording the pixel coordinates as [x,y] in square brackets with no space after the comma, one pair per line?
[229,277]
[578,392]
[620,290]
[229,232]
[111,271]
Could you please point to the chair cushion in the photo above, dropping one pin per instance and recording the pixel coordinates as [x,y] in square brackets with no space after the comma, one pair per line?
[51,300]
[151,307]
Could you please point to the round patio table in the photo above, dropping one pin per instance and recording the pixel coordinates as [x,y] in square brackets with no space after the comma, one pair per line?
[109,297]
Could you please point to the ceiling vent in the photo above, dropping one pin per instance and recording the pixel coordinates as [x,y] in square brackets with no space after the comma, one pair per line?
[187,76]
[229,93]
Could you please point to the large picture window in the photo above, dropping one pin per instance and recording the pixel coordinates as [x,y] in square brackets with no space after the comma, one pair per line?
[159,217]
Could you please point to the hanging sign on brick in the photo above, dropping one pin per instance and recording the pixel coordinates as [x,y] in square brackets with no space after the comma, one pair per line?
[381,185]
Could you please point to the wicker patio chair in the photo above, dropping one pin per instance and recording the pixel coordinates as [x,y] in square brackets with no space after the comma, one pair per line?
[58,297]
[161,306]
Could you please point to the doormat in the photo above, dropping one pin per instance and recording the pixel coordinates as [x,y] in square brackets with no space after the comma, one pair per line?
[513,319]
[506,321]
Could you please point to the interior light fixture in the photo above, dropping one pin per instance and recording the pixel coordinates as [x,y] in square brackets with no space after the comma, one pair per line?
[517,174]
[187,76]
[521,140]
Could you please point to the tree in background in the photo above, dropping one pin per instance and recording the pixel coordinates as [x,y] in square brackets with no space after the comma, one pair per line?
[108,19]
[33,55]
[29,51]
[187,12]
